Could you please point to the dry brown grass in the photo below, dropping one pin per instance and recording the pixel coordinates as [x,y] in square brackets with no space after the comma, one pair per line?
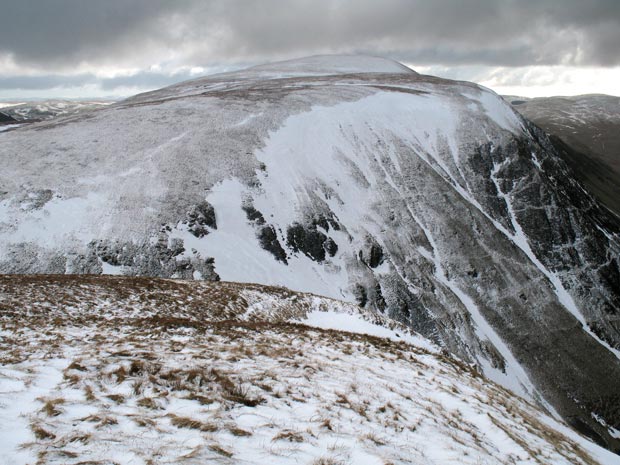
[241,395]
[144,422]
[327,424]
[41,433]
[327,461]
[149,402]
[289,435]
[220,450]
[50,407]
[190,423]
[376,440]
[76,365]
[89,394]
[239,432]
[119,374]
[203,400]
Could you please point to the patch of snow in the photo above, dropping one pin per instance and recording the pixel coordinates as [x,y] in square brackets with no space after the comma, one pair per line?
[57,221]
[239,257]
[111,269]
[499,110]
[355,323]
[9,104]
[19,389]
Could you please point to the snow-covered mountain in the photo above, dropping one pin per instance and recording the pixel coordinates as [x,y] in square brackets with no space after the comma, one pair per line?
[429,200]
[135,370]
[48,109]
[590,125]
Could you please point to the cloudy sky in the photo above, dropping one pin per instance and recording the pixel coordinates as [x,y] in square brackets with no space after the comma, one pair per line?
[96,48]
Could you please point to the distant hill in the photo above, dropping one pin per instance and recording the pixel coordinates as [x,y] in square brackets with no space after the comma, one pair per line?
[590,126]
[49,109]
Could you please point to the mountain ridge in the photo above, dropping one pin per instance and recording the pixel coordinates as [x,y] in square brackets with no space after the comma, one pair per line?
[429,200]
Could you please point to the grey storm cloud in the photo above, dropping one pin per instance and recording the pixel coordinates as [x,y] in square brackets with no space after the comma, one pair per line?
[53,38]
[140,79]
[493,32]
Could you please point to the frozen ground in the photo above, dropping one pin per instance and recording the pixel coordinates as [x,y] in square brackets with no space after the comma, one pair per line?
[145,371]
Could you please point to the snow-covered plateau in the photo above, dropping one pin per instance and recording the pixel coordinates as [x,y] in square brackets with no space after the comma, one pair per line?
[118,370]
[429,201]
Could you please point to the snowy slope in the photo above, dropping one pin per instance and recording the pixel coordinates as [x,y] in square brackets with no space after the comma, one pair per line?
[428,200]
[126,370]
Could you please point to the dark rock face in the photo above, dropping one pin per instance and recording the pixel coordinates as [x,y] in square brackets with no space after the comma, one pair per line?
[565,228]
[325,221]
[330,247]
[268,240]
[253,214]
[361,296]
[201,217]
[164,255]
[4,118]
[266,234]
[373,256]
[310,241]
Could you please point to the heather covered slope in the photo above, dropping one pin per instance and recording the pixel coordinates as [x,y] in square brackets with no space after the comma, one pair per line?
[137,370]
[428,200]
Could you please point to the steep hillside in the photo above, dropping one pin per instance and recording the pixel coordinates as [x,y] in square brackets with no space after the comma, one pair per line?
[428,200]
[136,370]
[590,126]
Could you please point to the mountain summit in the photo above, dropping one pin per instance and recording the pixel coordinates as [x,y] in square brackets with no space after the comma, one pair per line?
[331,65]
[429,200]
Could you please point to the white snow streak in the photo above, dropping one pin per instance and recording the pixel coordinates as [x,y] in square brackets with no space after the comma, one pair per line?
[519,238]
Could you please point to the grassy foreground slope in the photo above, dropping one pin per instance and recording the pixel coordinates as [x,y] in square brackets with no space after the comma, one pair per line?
[110,370]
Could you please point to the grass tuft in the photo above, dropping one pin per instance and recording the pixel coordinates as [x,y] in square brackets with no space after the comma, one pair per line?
[220,450]
[239,432]
[190,423]
[50,407]
[289,435]
[41,433]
